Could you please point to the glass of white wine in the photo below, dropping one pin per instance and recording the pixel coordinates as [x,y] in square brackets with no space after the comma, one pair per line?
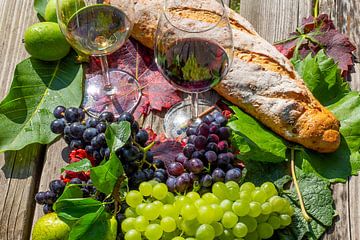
[99,28]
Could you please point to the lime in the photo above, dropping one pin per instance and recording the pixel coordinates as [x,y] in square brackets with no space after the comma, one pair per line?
[45,41]
[50,227]
[50,11]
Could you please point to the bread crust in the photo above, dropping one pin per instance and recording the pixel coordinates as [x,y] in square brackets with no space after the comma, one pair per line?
[262,81]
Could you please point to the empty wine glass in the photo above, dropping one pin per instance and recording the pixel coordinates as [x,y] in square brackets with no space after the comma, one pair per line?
[194,51]
[99,28]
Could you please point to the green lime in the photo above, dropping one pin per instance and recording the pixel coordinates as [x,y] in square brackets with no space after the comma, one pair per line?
[50,227]
[50,11]
[45,41]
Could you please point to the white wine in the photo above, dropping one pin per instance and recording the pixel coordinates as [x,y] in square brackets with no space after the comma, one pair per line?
[98,29]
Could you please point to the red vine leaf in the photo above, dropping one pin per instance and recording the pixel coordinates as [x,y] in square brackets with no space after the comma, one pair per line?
[167,150]
[319,33]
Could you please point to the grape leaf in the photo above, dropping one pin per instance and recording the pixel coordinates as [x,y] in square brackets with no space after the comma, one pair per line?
[315,34]
[77,207]
[167,150]
[82,165]
[134,58]
[40,6]
[117,135]
[37,88]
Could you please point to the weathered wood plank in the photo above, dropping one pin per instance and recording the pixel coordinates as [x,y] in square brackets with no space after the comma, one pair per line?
[20,170]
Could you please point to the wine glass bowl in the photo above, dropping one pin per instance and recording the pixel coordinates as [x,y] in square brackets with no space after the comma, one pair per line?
[194,51]
[99,28]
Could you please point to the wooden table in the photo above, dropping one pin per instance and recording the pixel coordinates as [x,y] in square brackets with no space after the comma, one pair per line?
[25,172]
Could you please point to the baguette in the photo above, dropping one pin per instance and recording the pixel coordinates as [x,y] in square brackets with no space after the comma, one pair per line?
[262,81]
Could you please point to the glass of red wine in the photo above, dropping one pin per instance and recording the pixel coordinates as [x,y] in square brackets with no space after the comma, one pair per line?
[194,53]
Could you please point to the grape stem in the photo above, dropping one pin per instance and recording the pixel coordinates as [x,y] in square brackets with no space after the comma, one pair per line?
[316,8]
[116,193]
[293,174]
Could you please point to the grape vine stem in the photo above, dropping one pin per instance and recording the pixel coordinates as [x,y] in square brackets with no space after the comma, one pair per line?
[116,191]
[293,174]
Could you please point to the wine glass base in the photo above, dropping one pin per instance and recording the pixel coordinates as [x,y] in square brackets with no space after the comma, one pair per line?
[122,96]
[178,118]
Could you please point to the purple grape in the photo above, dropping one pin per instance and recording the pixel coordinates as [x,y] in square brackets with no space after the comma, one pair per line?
[77,130]
[72,115]
[57,186]
[142,137]
[233,175]
[47,208]
[200,142]
[212,147]
[160,175]
[223,146]
[196,165]
[183,182]
[191,139]
[181,158]
[198,154]
[206,180]
[188,150]
[218,175]
[221,120]
[159,163]
[203,130]
[101,127]
[224,133]
[214,128]
[50,197]
[58,125]
[107,117]
[40,198]
[211,156]
[149,173]
[190,131]
[213,138]
[193,177]
[125,116]
[175,169]
[171,183]
[59,112]
[91,122]
[231,156]
[208,119]
[89,134]
[223,159]
[76,144]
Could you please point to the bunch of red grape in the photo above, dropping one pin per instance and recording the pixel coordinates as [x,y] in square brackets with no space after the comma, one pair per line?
[206,158]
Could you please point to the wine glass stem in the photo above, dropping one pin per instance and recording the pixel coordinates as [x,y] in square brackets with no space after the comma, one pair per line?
[106,76]
[194,106]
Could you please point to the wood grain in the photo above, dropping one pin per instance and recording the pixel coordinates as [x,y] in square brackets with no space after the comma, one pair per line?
[20,170]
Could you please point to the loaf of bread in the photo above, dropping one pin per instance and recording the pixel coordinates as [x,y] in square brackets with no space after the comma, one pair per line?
[261,81]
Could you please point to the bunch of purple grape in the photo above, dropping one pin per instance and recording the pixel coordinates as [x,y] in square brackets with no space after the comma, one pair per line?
[206,158]
[79,133]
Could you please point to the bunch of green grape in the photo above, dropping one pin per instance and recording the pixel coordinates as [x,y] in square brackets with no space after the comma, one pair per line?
[230,211]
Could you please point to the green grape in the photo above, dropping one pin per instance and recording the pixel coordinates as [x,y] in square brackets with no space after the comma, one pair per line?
[285,219]
[169,235]
[265,230]
[145,188]
[277,203]
[290,211]
[133,198]
[218,228]
[180,201]
[218,211]
[229,219]
[245,195]
[158,205]
[205,215]
[226,205]
[149,212]
[200,202]
[269,189]
[193,196]
[210,198]
[274,221]
[168,224]
[189,227]
[159,191]
[252,236]
[227,235]
[129,212]
[190,238]
[219,189]
[266,208]
[153,231]
[189,212]
[255,209]
[141,223]
[128,224]
[247,186]
[240,230]
[169,210]
[250,223]
[169,199]
[178,238]
[259,195]
[205,232]
[140,208]
[262,218]
[233,190]
[132,235]
[153,182]
[241,207]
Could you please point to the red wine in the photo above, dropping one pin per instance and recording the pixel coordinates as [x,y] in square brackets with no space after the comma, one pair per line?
[194,64]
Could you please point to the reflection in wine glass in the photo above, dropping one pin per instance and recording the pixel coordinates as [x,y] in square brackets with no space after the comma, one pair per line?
[99,28]
[194,53]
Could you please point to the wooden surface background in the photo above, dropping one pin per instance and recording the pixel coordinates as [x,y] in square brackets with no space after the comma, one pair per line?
[25,172]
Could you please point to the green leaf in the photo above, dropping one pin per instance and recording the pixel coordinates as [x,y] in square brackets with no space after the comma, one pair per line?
[255,141]
[82,165]
[77,207]
[71,191]
[37,88]
[117,135]
[40,6]
[323,78]
[104,177]
[92,226]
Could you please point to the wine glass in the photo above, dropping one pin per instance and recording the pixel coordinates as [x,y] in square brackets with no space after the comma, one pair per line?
[99,28]
[194,53]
